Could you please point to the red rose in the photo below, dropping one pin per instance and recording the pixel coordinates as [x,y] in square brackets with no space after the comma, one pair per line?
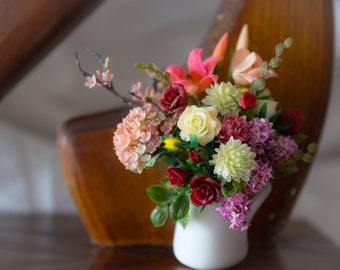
[174,99]
[248,100]
[204,190]
[178,176]
[291,117]
[194,156]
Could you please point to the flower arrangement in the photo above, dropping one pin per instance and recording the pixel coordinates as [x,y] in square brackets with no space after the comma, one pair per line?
[221,142]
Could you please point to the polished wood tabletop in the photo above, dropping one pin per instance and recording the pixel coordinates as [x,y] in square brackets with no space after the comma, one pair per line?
[60,242]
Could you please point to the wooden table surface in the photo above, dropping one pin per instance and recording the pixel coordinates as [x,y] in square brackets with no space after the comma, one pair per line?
[61,242]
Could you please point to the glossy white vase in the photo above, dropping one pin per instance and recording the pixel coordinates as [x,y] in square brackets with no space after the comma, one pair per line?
[208,243]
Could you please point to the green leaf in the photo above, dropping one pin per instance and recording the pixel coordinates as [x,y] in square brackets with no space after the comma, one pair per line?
[140,65]
[153,160]
[275,62]
[159,215]
[307,158]
[238,185]
[297,155]
[151,67]
[264,68]
[312,148]
[159,194]
[260,83]
[285,168]
[184,221]
[288,42]
[274,117]
[282,126]
[299,137]
[278,49]
[228,190]
[179,207]
[263,110]
[193,141]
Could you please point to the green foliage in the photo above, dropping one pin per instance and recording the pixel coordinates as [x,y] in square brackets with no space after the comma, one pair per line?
[159,215]
[260,84]
[159,75]
[153,160]
[263,111]
[193,141]
[179,207]
[159,194]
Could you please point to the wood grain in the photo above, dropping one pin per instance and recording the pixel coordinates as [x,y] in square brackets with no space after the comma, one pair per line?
[30,29]
[56,242]
[109,198]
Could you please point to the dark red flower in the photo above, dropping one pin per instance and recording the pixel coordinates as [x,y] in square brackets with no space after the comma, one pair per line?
[174,99]
[204,190]
[291,117]
[247,101]
[178,176]
[194,156]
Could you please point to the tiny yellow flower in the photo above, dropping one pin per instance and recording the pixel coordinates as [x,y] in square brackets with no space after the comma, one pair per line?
[243,89]
[171,144]
[107,63]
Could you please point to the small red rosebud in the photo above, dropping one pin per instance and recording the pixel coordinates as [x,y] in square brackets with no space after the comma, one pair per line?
[194,156]
[291,117]
[178,176]
[247,101]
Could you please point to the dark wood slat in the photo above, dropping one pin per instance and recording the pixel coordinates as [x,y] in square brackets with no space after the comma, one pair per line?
[30,29]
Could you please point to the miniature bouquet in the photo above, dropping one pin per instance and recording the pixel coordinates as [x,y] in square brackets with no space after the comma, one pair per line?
[220,142]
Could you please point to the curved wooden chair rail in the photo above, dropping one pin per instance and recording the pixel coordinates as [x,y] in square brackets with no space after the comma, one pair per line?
[112,202]
[30,29]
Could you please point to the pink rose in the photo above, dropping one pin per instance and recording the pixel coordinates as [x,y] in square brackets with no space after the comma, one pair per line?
[204,190]
[247,101]
[174,98]
[291,117]
[178,176]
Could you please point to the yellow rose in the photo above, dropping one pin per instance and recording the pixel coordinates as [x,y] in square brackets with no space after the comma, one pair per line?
[199,121]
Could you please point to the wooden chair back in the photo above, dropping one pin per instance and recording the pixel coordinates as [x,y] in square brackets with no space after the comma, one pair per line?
[112,202]
[30,29]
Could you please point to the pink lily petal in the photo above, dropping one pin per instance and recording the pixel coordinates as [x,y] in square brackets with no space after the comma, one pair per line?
[206,81]
[177,73]
[195,64]
[210,63]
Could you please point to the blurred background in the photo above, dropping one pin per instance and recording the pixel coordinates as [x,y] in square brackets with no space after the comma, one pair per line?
[129,31]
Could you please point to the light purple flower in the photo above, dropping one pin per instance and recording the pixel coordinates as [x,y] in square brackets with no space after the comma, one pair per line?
[261,135]
[259,177]
[235,209]
[285,148]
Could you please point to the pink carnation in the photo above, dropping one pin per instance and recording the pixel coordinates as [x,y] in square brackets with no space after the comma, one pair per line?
[137,137]
[233,125]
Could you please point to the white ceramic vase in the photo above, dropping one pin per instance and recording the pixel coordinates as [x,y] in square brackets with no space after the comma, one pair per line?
[208,243]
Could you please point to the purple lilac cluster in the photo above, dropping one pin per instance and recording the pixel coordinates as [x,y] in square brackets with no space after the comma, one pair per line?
[261,135]
[285,148]
[235,208]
